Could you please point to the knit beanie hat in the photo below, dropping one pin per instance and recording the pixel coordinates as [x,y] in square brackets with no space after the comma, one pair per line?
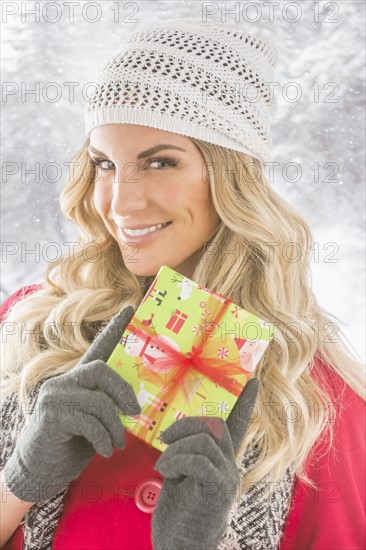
[209,81]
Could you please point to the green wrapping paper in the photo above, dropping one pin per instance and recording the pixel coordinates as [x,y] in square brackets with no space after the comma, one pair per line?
[187,351]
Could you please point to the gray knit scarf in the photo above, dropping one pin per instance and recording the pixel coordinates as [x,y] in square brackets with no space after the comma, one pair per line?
[255,522]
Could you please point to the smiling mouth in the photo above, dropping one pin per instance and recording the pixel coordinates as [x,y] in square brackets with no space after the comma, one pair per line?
[144,231]
[143,235]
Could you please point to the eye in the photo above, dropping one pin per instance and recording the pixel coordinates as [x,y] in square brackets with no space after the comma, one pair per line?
[99,162]
[169,162]
[107,165]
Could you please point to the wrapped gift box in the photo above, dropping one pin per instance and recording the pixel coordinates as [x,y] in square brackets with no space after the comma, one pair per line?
[187,351]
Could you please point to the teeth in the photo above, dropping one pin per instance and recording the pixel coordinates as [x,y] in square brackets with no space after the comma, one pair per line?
[137,232]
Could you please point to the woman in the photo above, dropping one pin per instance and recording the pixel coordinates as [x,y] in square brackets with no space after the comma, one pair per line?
[168,142]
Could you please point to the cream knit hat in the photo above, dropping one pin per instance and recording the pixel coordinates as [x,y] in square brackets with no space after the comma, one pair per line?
[209,81]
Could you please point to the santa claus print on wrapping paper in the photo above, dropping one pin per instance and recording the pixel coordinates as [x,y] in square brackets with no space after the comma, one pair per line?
[250,352]
[139,344]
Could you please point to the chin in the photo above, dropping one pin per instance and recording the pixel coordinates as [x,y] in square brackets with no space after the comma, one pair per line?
[143,272]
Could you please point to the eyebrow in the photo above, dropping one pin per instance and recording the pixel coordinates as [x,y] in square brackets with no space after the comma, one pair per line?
[144,154]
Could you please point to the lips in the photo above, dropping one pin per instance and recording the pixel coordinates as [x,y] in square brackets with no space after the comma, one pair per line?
[144,226]
[141,239]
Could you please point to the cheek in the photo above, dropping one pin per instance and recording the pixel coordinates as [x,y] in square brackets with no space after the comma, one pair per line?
[205,204]
[202,196]
[193,193]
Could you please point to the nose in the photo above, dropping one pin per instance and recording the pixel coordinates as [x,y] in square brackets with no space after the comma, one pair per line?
[129,193]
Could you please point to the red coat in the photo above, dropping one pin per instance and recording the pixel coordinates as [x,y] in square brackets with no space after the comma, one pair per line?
[100,510]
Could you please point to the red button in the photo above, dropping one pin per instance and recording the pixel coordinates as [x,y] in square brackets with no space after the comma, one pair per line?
[147,493]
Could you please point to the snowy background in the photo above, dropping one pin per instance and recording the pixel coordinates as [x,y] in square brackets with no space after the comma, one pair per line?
[321,48]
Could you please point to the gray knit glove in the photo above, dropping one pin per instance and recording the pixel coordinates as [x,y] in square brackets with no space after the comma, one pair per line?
[201,477]
[72,419]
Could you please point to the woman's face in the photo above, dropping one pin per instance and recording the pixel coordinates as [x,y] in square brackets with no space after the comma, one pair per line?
[139,184]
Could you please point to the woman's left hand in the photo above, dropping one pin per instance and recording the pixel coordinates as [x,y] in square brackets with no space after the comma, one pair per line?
[200,477]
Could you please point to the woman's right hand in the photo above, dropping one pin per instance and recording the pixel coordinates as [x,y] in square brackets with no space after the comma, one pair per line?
[73,419]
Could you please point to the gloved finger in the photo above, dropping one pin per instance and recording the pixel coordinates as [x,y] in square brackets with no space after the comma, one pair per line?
[106,341]
[197,467]
[98,374]
[199,444]
[104,410]
[191,425]
[94,432]
[239,417]
[61,402]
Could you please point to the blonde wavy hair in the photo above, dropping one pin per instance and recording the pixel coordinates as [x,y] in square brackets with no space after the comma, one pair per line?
[81,294]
